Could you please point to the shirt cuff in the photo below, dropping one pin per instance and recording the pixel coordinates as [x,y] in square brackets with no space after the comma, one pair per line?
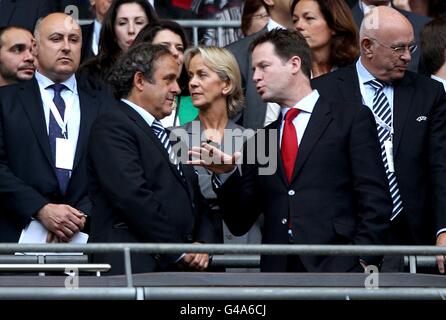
[441,231]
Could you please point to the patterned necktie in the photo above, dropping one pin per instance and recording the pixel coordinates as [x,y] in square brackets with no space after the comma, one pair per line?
[161,133]
[381,109]
[289,145]
[55,131]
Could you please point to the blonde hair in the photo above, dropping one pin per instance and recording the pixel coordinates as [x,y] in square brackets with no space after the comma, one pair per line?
[223,63]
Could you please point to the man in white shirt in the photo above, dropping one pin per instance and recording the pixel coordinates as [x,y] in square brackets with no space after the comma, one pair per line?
[329,186]
[91,32]
[140,192]
[363,7]
[410,114]
[45,123]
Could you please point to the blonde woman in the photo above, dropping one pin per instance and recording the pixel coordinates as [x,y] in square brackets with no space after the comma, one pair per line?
[215,89]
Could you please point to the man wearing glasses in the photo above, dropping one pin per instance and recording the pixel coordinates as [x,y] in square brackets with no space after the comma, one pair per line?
[410,113]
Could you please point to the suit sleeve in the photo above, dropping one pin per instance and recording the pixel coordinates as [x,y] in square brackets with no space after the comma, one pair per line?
[114,159]
[240,198]
[16,196]
[369,182]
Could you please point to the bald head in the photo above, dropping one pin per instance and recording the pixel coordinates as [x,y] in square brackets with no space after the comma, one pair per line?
[386,42]
[58,38]
[382,20]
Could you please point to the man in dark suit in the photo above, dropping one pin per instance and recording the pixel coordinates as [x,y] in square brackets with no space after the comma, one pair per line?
[43,136]
[91,32]
[24,13]
[140,192]
[257,113]
[416,130]
[328,187]
[363,7]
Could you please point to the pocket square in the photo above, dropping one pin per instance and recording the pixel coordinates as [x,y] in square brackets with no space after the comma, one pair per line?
[421,118]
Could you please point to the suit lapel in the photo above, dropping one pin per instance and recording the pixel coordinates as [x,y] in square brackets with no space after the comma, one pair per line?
[349,85]
[7,8]
[319,121]
[276,126]
[86,103]
[402,97]
[140,122]
[33,106]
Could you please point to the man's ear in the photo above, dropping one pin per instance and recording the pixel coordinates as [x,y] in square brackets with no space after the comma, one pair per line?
[296,63]
[367,47]
[269,3]
[138,81]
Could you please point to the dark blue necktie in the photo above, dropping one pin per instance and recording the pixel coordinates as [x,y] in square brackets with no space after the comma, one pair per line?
[55,131]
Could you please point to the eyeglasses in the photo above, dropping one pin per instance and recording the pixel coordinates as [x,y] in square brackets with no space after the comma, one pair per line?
[399,50]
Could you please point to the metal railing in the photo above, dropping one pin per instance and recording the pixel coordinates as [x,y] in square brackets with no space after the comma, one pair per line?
[255,292]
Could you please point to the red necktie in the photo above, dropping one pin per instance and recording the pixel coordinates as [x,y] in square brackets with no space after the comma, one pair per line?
[289,143]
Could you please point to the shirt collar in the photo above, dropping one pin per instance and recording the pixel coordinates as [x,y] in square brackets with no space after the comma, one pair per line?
[274,25]
[306,104]
[142,112]
[363,74]
[44,82]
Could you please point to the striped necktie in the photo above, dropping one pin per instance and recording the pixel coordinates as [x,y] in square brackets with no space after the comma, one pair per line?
[161,133]
[381,109]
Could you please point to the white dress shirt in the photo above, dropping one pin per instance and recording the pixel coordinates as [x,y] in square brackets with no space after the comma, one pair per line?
[71,99]
[96,35]
[306,106]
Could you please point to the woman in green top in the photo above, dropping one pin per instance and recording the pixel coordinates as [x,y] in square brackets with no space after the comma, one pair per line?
[170,34]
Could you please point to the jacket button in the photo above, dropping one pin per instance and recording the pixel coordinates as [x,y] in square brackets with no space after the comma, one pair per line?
[157,256]
[291,192]
[284,221]
[189,237]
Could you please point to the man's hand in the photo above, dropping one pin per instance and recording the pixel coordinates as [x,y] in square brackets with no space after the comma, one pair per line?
[441,241]
[62,220]
[213,158]
[196,261]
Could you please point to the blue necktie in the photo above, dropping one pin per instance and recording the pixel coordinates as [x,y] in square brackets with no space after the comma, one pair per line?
[161,133]
[55,131]
[381,109]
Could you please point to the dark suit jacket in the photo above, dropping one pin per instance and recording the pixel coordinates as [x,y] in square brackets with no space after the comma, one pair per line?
[254,112]
[137,194]
[338,193]
[24,13]
[87,38]
[27,177]
[417,22]
[419,113]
